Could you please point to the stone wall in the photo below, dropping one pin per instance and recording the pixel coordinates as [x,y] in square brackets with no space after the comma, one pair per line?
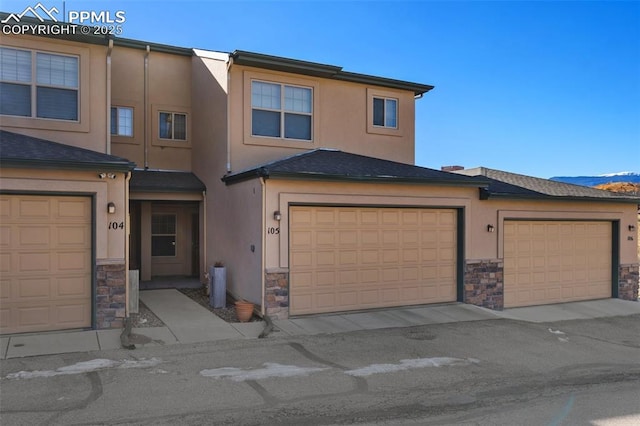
[484,283]
[628,282]
[277,294]
[111,293]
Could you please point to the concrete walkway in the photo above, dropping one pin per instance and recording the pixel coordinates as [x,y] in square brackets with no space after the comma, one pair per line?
[187,322]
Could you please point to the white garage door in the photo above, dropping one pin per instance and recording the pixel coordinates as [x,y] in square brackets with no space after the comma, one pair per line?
[351,258]
[554,261]
[45,263]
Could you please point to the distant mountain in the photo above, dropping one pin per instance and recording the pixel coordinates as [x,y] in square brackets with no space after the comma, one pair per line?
[599,180]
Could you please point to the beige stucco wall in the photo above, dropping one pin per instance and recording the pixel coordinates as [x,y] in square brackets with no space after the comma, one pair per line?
[486,245]
[168,83]
[281,193]
[341,120]
[109,243]
[90,131]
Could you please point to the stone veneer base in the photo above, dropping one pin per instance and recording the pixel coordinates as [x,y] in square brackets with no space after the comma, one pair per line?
[276,288]
[484,283]
[628,277]
[111,295]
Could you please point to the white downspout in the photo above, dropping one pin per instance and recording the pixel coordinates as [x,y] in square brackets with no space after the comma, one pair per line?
[108,97]
[147,119]
[204,233]
[263,187]
[229,64]
[126,244]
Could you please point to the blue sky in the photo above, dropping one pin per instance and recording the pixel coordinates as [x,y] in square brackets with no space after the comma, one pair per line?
[543,88]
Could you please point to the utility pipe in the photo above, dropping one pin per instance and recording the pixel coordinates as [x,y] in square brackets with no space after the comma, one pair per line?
[147,119]
[108,97]
[229,64]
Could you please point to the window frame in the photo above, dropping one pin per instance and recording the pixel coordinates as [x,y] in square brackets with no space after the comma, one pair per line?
[403,112]
[173,115]
[244,110]
[283,111]
[34,84]
[132,124]
[174,235]
[385,116]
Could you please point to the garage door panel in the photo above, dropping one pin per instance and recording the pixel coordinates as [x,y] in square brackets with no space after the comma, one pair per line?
[553,262]
[380,254]
[45,260]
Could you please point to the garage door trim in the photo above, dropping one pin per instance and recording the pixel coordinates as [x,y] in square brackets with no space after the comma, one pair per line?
[615,240]
[92,197]
[459,229]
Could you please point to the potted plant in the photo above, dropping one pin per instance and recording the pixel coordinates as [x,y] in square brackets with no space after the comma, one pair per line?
[244,310]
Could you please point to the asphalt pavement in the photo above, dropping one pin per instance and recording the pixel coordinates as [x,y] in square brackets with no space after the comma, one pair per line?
[186,322]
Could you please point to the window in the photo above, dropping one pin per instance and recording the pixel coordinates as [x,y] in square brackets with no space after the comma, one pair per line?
[163,235]
[385,112]
[281,111]
[53,93]
[121,121]
[173,125]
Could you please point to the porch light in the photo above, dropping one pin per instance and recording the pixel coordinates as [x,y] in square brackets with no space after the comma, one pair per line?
[111,208]
[632,227]
[490,228]
[277,215]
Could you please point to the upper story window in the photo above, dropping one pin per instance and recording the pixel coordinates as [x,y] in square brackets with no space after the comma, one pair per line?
[121,121]
[173,125]
[281,111]
[385,112]
[37,84]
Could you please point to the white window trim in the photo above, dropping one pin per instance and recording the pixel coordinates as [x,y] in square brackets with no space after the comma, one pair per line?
[384,118]
[282,111]
[33,85]
[248,139]
[133,127]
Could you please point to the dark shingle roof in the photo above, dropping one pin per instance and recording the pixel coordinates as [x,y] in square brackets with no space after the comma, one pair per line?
[512,185]
[165,181]
[17,150]
[326,164]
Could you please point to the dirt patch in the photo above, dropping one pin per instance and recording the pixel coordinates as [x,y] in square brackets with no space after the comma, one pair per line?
[145,317]
[199,295]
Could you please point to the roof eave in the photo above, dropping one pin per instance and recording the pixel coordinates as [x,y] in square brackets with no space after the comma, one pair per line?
[506,196]
[68,165]
[256,173]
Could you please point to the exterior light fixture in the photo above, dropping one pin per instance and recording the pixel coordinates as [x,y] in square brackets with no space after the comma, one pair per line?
[111,208]
[277,215]
[111,175]
[490,228]
[102,175]
[632,227]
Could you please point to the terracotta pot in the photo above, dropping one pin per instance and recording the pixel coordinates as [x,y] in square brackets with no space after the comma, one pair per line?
[244,310]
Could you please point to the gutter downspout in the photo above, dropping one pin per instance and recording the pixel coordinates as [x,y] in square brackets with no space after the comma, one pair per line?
[126,243]
[147,119]
[229,64]
[108,96]
[263,187]
[203,264]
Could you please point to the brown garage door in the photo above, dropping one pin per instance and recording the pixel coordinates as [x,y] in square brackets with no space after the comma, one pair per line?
[554,261]
[45,263]
[351,258]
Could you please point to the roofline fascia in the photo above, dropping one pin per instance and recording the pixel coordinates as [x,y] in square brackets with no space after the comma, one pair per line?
[296,66]
[503,196]
[67,165]
[156,189]
[257,173]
